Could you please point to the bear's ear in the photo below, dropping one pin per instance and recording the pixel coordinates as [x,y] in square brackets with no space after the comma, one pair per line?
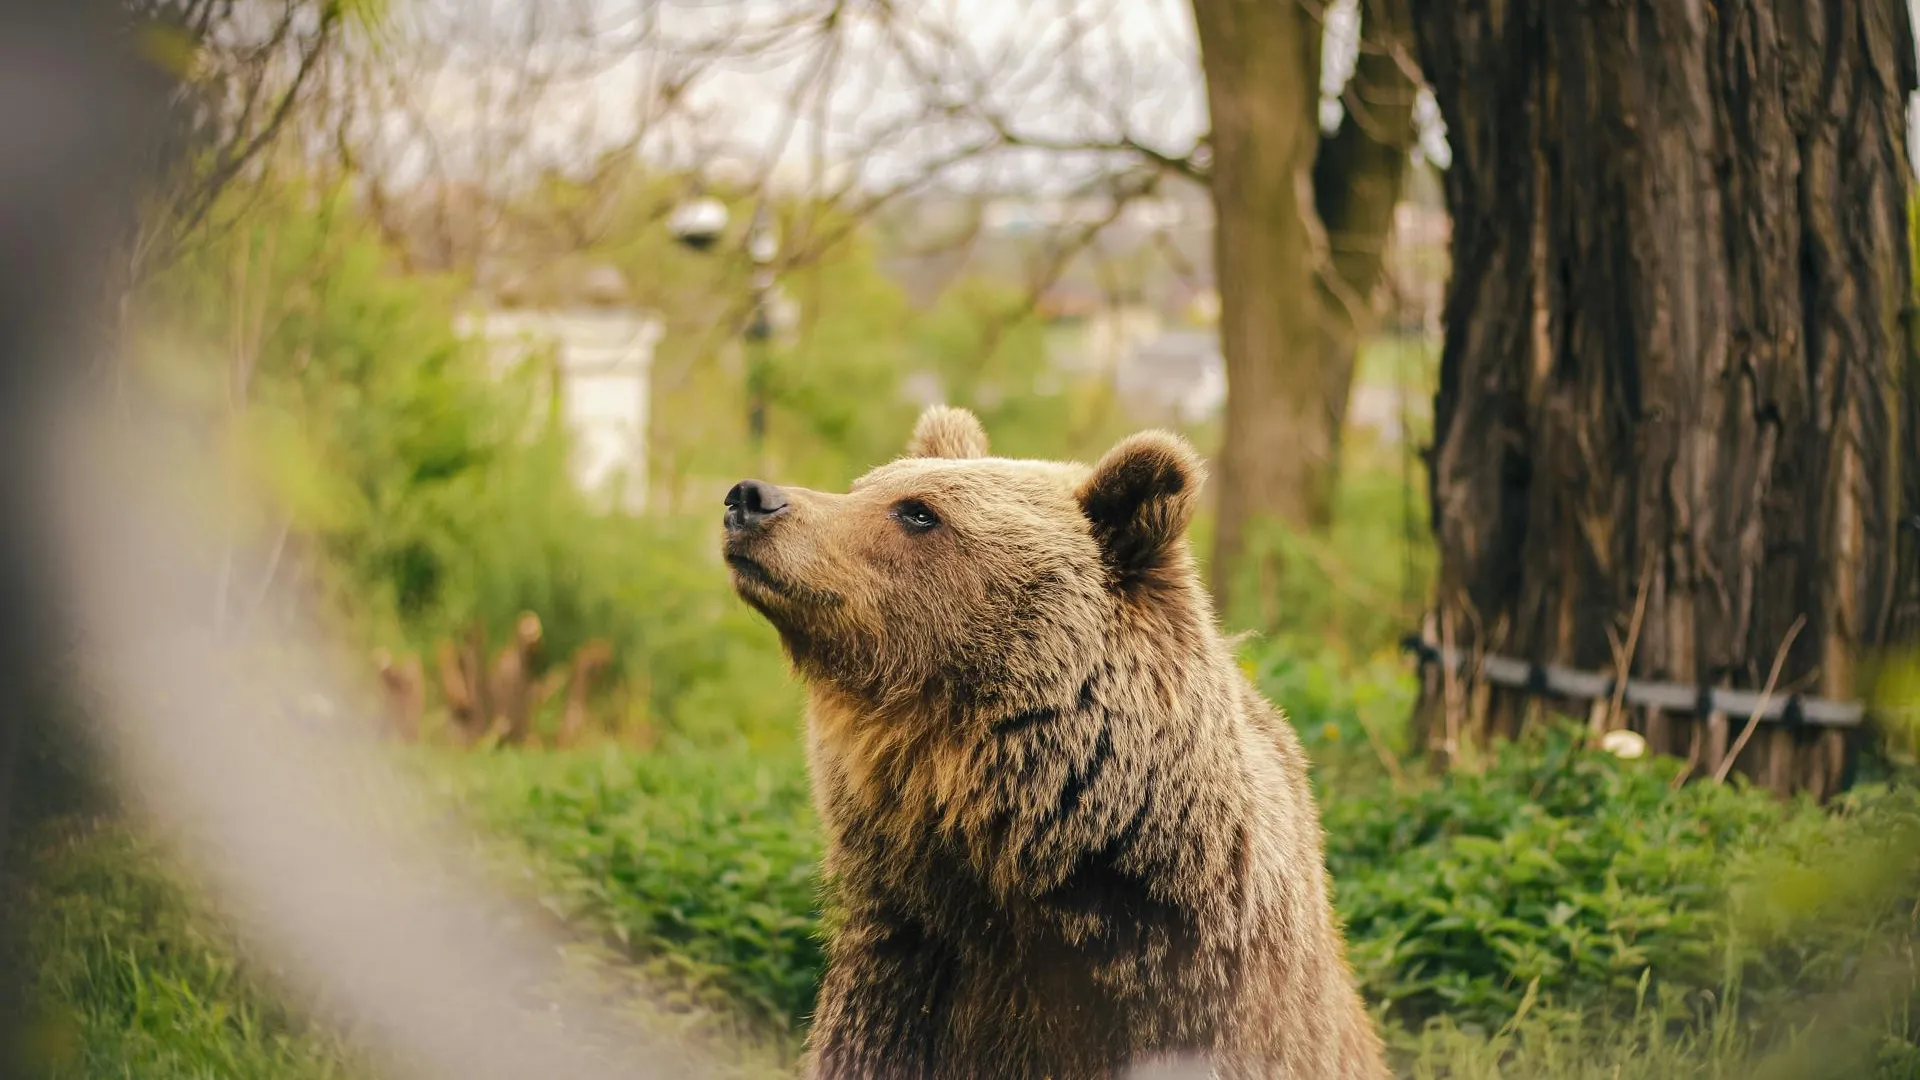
[1140,497]
[947,432]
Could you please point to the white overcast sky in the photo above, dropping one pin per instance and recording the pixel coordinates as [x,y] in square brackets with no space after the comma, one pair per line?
[1141,71]
[1138,70]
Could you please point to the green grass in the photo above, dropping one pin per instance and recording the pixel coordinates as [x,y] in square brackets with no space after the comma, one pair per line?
[697,867]
[699,864]
[1560,886]
[1412,363]
[135,982]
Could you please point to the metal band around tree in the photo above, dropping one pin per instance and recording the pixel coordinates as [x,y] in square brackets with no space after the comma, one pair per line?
[1553,680]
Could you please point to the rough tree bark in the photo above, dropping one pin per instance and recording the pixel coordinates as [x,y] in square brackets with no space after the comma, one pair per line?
[1302,224]
[1676,362]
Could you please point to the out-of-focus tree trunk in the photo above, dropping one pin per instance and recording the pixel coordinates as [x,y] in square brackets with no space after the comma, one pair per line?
[588,661]
[1301,225]
[1676,360]
[1357,180]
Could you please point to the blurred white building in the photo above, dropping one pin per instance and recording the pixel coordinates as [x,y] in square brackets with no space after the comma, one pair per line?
[1175,375]
[604,360]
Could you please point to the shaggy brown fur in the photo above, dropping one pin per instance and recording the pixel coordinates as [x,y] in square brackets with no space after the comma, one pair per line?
[1067,836]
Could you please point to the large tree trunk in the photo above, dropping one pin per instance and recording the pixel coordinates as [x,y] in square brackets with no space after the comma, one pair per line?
[1300,234]
[1675,369]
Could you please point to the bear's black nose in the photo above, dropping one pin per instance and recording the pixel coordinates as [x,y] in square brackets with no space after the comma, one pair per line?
[752,502]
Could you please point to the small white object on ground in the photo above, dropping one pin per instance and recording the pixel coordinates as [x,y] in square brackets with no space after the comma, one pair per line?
[1623,744]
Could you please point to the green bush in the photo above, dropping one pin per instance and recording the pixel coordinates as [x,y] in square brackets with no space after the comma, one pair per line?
[132,981]
[426,494]
[1349,711]
[1587,881]
[704,861]
[1559,874]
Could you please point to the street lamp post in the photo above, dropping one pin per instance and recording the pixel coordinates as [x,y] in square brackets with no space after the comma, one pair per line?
[762,247]
[698,224]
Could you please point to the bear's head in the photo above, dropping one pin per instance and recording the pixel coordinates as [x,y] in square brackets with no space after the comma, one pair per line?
[951,577]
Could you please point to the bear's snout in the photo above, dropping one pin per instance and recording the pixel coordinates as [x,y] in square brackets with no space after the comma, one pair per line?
[750,503]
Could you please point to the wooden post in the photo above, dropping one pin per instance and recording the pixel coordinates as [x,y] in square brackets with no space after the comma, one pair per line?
[405,689]
[473,665]
[1598,717]
[1781,754]
[1829,765]
[1479,718]
[513,680]
[1715,749]
[1659,732]
[456,690]
[587,662]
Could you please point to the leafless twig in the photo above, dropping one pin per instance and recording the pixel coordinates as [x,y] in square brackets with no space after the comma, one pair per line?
[1760,707]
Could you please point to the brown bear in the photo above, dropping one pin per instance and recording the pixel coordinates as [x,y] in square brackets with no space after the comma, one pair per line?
[1066,836]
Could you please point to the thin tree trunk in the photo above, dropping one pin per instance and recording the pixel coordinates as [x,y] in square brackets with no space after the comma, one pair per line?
[1298,244]
[1262,62]
[1674,344]
[1357,180]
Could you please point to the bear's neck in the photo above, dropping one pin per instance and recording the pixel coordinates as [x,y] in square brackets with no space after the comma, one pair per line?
[1118,769]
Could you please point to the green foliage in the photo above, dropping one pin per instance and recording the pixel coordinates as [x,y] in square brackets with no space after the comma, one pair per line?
[704,862]
[1561,884]
[132,981]
[1589,883]
[701,864]
[1822,981]
[1348,711]
[836,390]
[438,494]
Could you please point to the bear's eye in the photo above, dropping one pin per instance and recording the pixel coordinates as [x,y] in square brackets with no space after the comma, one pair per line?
[914,515]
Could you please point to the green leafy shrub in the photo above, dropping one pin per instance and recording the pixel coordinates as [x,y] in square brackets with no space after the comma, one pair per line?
[704,860]
[427,493]
[1349,711]
[1558,871]
[133,981]
[1587,880]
